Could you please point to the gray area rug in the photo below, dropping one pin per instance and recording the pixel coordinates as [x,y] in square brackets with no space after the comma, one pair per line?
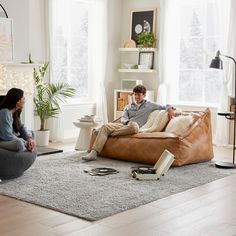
[58,182]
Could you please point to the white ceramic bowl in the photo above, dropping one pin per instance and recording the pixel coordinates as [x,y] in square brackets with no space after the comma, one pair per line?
[129,66]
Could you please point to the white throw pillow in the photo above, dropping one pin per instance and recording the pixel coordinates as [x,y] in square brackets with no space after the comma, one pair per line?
[179,124]
[156,122]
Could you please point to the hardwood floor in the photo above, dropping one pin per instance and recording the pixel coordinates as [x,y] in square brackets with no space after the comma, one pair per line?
[206,210]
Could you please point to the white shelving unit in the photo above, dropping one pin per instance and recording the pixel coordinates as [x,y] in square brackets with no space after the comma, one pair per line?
[121,96]
[137,70]
[137,49]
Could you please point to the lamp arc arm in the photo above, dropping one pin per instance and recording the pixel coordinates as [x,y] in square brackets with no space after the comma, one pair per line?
[229,58]
[4,10]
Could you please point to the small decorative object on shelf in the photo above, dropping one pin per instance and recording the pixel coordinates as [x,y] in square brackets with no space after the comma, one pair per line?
[130,66]
[130,44]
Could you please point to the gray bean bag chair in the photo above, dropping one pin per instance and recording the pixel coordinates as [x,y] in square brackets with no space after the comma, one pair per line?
[13,164]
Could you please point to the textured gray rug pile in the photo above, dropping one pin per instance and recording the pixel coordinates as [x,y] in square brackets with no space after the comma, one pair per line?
[58,182]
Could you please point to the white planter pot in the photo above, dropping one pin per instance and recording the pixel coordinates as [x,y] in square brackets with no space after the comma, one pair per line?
[42,137]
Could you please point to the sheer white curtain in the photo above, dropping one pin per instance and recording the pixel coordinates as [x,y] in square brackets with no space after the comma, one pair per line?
[227,25]
[161,94]
[211,28]
[98,52]
[168,48]
[231,47]
[97,59]
[55,125]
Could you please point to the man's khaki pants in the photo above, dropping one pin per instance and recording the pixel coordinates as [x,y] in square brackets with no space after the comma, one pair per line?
[113,129]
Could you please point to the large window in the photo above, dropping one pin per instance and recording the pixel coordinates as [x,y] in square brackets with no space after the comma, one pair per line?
[198,35]
[69,44]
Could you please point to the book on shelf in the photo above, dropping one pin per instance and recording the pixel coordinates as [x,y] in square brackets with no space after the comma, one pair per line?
[121,104]
[123,100]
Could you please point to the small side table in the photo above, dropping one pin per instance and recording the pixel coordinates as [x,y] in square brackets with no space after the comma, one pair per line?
[229,116]
[85,134]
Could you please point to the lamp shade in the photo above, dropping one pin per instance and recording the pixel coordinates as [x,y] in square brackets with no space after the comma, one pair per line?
[217,63]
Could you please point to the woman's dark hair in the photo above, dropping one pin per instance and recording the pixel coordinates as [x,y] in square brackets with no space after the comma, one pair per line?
[9,102]
[12,97]
[139,89]
[16,121]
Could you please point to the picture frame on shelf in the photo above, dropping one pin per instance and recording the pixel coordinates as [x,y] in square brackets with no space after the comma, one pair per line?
[146,60]
[143,20]
[6,40]
[129,84]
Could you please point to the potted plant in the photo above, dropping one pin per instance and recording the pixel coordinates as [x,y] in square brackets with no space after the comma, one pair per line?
[146,39]
[47,101]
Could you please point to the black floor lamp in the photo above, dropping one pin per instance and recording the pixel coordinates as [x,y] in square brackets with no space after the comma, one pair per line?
[218,64]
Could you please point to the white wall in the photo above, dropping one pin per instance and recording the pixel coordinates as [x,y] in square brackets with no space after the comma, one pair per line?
[114,32]
[149,80]
[18,11]
[38,30]
[28,32]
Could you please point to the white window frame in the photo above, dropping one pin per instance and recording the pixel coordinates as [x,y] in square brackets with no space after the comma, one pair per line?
[76,100]
[175,63]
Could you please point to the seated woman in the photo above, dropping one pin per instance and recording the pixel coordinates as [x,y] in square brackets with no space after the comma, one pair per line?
[15,140]
[13,135]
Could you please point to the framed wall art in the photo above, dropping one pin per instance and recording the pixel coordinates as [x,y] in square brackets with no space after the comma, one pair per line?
[6,40]
[146,59]
[142,21]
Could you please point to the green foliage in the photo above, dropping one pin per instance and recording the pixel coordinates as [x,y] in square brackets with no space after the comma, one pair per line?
[49,96]
[146,39]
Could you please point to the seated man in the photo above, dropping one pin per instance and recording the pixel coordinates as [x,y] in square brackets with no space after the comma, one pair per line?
[134,116]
